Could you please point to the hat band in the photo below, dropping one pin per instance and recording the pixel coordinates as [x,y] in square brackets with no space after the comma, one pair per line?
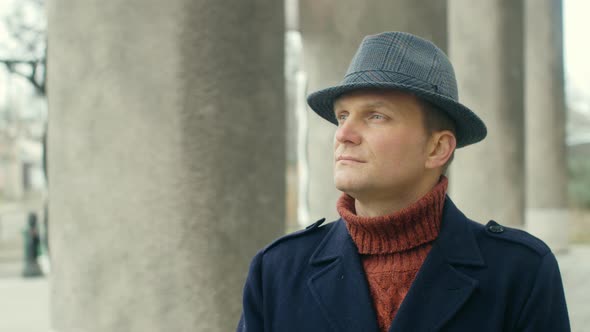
[383,77]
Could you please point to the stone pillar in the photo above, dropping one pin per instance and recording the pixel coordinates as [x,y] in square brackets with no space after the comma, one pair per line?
[487,179]
[332,31]
[166,159]
[546,175]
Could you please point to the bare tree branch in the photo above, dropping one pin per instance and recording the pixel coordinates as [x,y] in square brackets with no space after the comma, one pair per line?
[31,51]
[31,76]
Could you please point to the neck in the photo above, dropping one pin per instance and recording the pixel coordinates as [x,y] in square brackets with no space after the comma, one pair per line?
[375,205]
[413,225]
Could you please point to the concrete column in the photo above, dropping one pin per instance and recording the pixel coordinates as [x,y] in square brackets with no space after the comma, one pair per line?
[166,159]
[332,31]
[485,46]
[546,175]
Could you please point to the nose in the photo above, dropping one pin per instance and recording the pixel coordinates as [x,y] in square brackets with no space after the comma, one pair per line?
[348,132]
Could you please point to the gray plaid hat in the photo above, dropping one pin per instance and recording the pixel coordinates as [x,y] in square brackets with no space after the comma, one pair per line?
[402,61]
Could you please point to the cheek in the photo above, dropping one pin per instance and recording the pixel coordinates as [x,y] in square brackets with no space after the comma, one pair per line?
[399,153]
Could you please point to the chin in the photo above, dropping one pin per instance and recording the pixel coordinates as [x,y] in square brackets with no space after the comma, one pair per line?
[346,186]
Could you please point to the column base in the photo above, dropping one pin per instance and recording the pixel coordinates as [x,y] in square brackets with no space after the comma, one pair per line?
[551,226]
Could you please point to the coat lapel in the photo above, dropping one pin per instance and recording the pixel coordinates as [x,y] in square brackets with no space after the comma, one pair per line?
[439,289]
[339,285]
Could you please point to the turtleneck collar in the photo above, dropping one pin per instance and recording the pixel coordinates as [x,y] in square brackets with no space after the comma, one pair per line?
[407,228]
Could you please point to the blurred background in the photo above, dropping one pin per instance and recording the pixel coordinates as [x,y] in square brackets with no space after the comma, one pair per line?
[155,147]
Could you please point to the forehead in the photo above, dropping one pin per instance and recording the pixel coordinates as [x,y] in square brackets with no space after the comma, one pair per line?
[376,98]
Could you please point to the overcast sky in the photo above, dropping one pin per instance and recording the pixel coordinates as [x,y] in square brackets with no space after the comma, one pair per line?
[576,49]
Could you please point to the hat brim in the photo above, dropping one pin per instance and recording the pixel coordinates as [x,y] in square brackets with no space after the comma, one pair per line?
[469,129]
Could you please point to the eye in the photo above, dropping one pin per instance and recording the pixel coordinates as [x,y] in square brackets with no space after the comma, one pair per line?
[377,116]
[341,116]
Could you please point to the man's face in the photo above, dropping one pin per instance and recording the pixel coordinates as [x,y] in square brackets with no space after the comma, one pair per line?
[380,146]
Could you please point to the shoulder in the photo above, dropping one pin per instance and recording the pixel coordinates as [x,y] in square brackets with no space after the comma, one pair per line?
[293,250]
[492,237]
[299,238]
[293,246]
[511,239]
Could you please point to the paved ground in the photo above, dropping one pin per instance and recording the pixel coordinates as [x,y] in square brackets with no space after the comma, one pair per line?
[575,270]
[24,304]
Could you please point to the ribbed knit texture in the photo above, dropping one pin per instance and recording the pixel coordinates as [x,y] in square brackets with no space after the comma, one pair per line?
[393,247]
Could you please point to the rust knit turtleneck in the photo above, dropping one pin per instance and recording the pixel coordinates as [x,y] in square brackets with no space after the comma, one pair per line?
[393,247]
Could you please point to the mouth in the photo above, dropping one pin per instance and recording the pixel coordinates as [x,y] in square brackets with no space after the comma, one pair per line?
[348,158]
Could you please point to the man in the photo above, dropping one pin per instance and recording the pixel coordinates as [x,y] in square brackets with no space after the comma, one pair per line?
[402,257]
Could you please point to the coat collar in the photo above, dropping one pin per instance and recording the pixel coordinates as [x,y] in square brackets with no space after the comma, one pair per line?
[339,284]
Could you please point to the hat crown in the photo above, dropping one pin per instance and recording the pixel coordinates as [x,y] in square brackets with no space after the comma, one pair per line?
[392,57]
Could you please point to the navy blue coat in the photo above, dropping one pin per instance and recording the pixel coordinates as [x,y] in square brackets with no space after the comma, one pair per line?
[475,278]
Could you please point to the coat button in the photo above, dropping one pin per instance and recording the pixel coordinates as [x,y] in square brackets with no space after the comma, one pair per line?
[496,229]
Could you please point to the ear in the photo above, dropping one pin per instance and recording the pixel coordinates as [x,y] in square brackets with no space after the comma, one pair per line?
[440,149]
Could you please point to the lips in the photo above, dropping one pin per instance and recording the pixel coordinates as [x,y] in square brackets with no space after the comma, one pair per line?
[349,158]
